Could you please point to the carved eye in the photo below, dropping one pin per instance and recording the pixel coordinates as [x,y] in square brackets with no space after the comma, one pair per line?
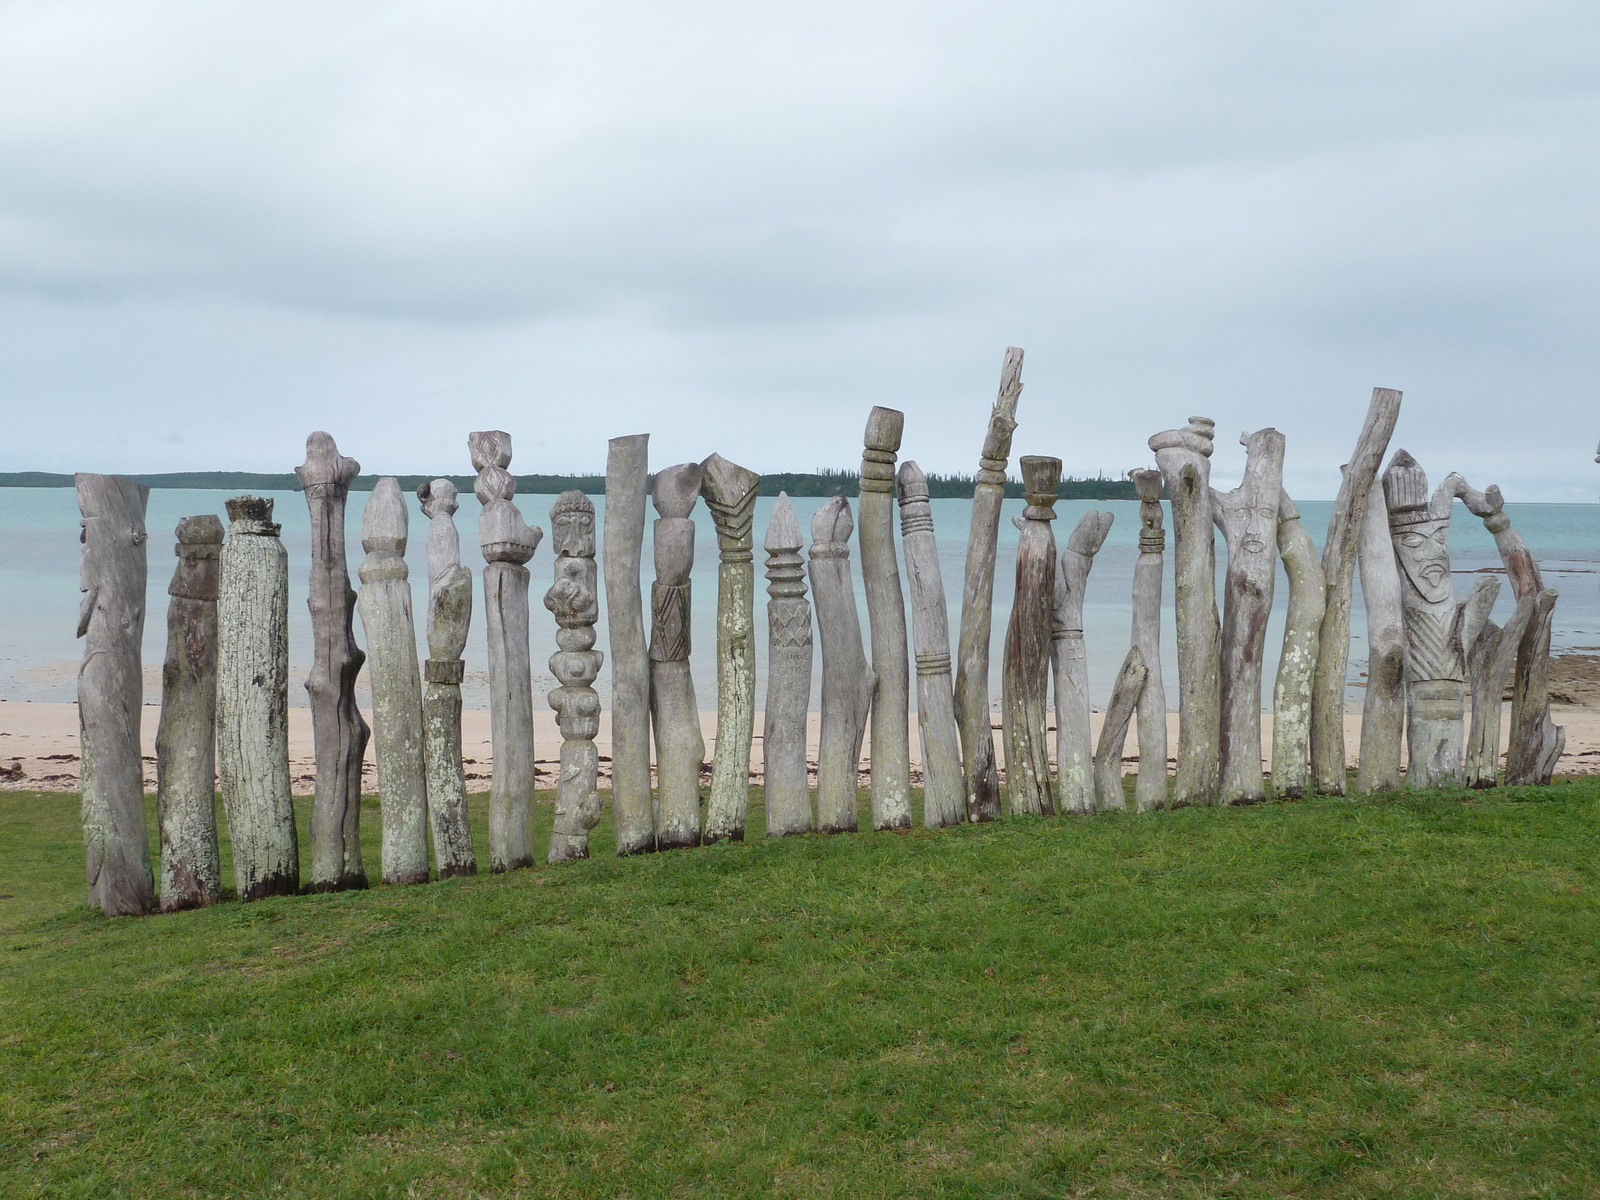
[1412,540]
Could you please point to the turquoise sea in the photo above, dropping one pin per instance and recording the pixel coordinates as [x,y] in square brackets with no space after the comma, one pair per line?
[39,584]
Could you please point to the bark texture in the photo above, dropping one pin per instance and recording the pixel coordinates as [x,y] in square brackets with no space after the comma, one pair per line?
[979,773]
[1297,665]
[789,642]
[1075,785]
[1150,792]
[846,674]
[627,464]
[576,663]
[1108,790]
[113,571]
[186,739]
[1025,678]
[253,703]
[1383,710]
[449,618]
[886,615]
[674,713]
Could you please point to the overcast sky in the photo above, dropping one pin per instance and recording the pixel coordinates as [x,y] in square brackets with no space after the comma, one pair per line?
[739,225]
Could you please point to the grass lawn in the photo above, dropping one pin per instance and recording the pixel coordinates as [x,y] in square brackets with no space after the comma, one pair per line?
[1374,998]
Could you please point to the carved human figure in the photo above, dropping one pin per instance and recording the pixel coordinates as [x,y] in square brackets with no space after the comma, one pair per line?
[1150,791]
[186,739]
[449,617]
[981,778]
[627,463]
[113,570]
[1025,678]
[674,713]
[576,663]
[789,654]
[886,619]
[846,674]
[1075,785]
[508,542]
[1297,663]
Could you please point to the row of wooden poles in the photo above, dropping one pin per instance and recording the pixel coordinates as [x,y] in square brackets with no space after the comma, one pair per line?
[225,679]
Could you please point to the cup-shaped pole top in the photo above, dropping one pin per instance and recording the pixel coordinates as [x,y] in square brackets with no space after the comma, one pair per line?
[675,489]
[884,429]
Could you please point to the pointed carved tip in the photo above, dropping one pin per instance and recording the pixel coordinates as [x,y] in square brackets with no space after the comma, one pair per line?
[384,521]
[783,530]
[884,429]
[726,483]
[1405,484]
[489,448]
[833,522]
[911,483]
[675,489]
[438,498]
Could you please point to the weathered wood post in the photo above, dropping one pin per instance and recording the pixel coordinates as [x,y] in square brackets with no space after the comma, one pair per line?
[384,603]
[1383,709]
[886,618]
[1075,783]
[253,702]
[675,715]
[339,732]
[982,779]
[1339,568]
[1489,655]
[730,494]
[789,641]
[1184,456]
[1436,667]
[943,788]
[1302,626]
[1025,677]
[1150,791]
[1248,518]
[113,571]
[449,617]
[627,464]
[846,674]
[186,739]
[508,542]
[576,663]
[1109,795]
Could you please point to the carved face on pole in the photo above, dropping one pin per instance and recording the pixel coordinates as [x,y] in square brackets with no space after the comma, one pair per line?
[572,525]
[1424,553]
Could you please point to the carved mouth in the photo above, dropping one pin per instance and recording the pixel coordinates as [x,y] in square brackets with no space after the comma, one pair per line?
[1253,546]
[1434,573]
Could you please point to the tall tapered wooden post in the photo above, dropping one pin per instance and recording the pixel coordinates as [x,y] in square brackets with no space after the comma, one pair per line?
[1025,680]
[1150,791]
[981,778]
[886,617]
[730,494]
[1075,785]
[576,663]
[1109,793]
[1383,708]
[846,674]
[186,739]
[627,464]
[789,655]
[674,714]
[1297,663]
[113,568]
[449,617]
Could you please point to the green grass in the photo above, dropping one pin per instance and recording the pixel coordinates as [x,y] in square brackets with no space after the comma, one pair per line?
[1376,998]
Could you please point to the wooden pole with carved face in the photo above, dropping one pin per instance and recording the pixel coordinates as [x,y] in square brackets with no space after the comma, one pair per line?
[113,571]
[576,663]
[1297,664]
[675,716]
[508,542]
[1075,784]
[886,619]
[846,674]
[449,616]
[1150,791]
[1025,679]
[789,656]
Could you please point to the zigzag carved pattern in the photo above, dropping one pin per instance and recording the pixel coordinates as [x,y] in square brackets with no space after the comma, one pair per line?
[1433,650]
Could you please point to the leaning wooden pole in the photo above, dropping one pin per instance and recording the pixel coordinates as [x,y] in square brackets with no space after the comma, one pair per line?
[1297,662]
[575,664]
[114,568]
[627,468]
[674,714]
[449,618]
[1109,793]
[1383,708]
[1025,673]
[846,674]
[886,617]
[1150,791]
[1075,785]
[981,778]
[789,653]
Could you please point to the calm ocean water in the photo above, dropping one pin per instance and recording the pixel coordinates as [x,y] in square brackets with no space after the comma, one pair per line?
[39,584]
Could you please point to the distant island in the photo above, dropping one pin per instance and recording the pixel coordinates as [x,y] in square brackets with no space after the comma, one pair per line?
[817,483]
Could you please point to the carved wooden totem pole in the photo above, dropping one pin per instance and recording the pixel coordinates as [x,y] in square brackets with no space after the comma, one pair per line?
[449,617]
[113,570]
[1436,668]
[508,542]
[1297,664]
[253,702]
[982,779]
[1339,568]
[943,789]
[627,463]
[730,494]
[576,663]
[1109,794]
[1075,785]
[339,732]
[1383,708]
[846,675]
[1150,792]
[1248,518]
[186,739]
[1025,679]
[789,642]
[1184,456]
[886,619]
[675,716]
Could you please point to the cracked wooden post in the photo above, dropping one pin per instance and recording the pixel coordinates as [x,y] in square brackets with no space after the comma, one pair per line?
[1297,664]
[449,617]
[982,779]
[339,732]
[943,787]
[1383,708]
[576,664]
[1436,667]
[1025,673]
[113,571]
[783,737]
[674,713]
[186,739]
[1248,518]
[886,618]
[508,542]
[1108,790]
[627,463]
[1075,783]
[1150,791]
[1339,550]
[730,494]
[1184,456]
[846,675]
[384,603]
[253,702]
[1490,651]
